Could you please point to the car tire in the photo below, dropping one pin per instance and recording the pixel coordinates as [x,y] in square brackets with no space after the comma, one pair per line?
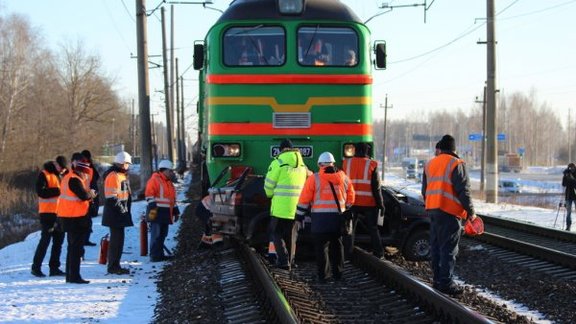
[417,246]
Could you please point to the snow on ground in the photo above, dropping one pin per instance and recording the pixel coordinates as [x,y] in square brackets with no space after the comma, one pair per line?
[106,299]
[132,299]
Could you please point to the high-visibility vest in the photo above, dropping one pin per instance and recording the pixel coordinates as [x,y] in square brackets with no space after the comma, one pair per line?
[49,205]
[318,193]
[160,190]
[284,181]
[69,205]
[360,170]
[439,189]
[113,186]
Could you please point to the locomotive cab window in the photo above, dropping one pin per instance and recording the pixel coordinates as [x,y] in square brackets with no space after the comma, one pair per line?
[327,46]
[254,45]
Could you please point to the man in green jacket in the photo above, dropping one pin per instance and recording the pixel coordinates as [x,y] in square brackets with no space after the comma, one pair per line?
[283,184]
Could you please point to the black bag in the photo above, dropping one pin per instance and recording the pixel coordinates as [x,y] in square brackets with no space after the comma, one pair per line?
[346,226]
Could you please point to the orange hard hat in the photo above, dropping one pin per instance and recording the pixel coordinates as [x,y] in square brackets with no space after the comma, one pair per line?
[475,227]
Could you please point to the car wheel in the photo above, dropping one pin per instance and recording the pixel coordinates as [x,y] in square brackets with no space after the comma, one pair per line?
[417,246]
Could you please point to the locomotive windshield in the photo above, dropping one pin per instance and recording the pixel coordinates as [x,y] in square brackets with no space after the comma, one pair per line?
[327,46]
[254,45]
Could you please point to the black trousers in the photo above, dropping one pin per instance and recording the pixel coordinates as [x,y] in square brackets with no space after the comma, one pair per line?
[50,232]
[329,254]
[76,229]
[115,248]
[283,235]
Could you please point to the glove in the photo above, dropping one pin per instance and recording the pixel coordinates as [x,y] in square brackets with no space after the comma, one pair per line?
[152,214]
[472,217]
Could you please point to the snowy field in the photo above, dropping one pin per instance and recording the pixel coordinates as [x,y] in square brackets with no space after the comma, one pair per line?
[131,299]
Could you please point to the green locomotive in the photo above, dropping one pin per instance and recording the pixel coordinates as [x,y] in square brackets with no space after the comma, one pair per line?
[275,69]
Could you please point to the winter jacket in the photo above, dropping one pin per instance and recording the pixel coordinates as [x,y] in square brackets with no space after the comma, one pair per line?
[74,199]
[445,185]
[569,182]
[161,194]
[318,198]
[283,183]
[118,196]
[48,189]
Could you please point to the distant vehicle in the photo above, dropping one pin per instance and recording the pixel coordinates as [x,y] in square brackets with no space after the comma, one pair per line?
[510,162]
[509,186]
[410,164]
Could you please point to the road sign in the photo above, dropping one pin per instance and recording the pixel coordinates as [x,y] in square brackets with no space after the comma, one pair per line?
[475,137]
[501,137]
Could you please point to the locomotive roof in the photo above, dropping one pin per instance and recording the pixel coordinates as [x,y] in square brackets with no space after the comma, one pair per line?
[267,9]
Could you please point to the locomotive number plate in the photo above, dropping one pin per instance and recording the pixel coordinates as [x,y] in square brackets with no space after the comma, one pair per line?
[305,150]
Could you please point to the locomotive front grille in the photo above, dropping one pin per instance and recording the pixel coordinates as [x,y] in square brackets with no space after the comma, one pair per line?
[292,120]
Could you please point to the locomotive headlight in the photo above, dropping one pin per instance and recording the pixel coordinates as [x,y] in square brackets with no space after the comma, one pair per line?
[226,150]
[290,7]
[349,150]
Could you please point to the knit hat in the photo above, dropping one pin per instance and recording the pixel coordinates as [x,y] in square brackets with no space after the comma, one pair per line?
[286,143]
[362,149]
[80,163]
[447,143]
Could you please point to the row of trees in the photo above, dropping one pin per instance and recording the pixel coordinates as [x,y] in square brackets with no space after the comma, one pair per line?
[526,123]
[52,102]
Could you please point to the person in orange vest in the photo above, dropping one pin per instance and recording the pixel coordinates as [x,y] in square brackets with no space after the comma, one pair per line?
[92,182]
[326,195]
[363,172]
[117,206]
[162,210]
[446,192]
[73,214]
[48,191]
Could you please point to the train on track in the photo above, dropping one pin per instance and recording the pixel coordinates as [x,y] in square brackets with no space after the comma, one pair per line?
[276,69]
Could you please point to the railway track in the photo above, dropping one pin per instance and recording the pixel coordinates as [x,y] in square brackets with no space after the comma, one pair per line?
[372,291]
[554,246]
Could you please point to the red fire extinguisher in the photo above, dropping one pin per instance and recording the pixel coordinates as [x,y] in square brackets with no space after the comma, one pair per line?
[143,237]
[103,258]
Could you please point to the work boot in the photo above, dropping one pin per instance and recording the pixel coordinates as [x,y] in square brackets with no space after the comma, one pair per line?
[57,272]
[38,273]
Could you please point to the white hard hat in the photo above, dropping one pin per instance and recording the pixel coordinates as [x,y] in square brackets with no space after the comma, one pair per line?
[165,164]
[122,158]
[326,157]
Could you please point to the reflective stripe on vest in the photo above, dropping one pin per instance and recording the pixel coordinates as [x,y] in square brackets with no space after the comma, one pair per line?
[113,186]
[324,201]
[69,205]
[360,171]
[49,205]
[439,190]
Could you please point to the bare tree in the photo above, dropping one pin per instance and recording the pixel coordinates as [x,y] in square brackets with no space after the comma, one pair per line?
[17,49]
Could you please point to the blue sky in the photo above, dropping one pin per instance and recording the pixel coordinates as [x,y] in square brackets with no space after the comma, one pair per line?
[433,65]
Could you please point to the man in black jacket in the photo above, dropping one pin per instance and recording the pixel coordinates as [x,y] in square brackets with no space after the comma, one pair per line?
[117,209]
[569,182]
[48,190]
[93,178]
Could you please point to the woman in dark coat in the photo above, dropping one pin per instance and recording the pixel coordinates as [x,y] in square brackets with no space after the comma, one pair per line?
[117,209]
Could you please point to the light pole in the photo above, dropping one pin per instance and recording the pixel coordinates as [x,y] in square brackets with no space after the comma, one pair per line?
[385,133]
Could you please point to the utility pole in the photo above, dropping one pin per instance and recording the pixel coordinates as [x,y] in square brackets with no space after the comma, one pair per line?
[169,126]
[483,145]
[182,129]
[173,104]
[143,94]
[385,134]
[491,111]
[177,106]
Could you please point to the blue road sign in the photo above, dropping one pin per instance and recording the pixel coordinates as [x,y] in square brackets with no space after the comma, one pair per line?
[475,137]
[501,137]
